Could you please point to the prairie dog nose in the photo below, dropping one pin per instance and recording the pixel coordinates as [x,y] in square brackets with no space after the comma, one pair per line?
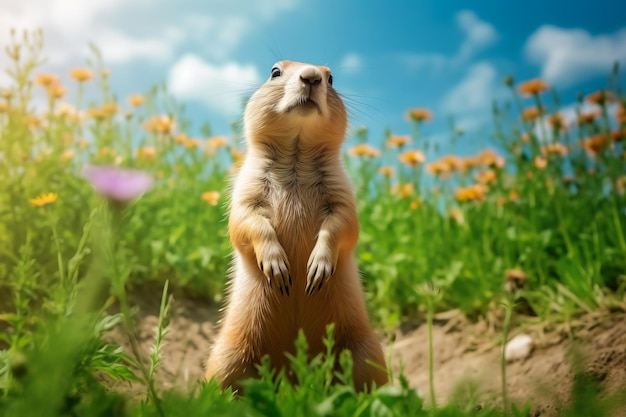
[311,75]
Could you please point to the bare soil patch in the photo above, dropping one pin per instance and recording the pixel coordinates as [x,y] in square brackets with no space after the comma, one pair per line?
[466,355]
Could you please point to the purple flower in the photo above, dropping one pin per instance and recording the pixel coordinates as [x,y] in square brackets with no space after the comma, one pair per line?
[119,184]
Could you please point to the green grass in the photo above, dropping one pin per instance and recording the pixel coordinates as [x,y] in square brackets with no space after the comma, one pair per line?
[424,247]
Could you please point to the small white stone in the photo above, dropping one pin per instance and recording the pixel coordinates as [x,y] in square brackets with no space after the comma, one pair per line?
[518,348]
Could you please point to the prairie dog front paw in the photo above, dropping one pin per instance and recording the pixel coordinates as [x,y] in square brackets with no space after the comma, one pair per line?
[272,261]
[320,267]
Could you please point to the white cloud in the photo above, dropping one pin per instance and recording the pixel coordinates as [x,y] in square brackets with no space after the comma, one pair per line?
[471,99]
[351,63]
[219,87]
[478,34]
[568,56]
[117,47]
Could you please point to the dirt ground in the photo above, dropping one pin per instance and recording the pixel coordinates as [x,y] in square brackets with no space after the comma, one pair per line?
[466,354]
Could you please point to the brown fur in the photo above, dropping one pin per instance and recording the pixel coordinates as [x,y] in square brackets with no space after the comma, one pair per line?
[293,225]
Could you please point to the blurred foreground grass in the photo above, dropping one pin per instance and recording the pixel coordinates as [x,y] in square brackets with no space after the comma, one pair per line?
[539,218]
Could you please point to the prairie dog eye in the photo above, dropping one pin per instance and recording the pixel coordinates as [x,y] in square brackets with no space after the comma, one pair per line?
[276,72]
[330,79]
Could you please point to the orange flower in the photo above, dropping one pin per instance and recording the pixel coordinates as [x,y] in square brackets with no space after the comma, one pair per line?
[398,141]
[540,162]
[147,152]
[211,197]
[4,106]
[485,177]
[593,144]
[585,118]
[416,203]
[44,199]
[364,150]
[600,97]
[530,113]
[489,157]
[217,142]
[387,171]
[81,74]
[412,158]
[161,124]
[403,190]
[419,115]
[525,137]
[532,87]
[513,195]
[56,91]
[136,100]
[46,80]
[557,121]
[67,155]
[192,143]
[556,148]
[32,122]
[620,114]
[437,168]
[474,192]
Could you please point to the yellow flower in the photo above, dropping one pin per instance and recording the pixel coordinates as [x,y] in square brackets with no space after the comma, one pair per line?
[46,80]
[416,203]
[43,199]
[162,124]
[540,162]
[556,148]
[136,100]
[387,171]
[397,141]
[67,154]
[412,158]
[419,115]
[4,106]
[147,152]
[364,150]
[530,113]
[32,121]
[472,192]
[485,177]
[557,121]
[403,190]
[532,87]
[217,142]
[56,91]
[81,74]
[211,197]
[489,157]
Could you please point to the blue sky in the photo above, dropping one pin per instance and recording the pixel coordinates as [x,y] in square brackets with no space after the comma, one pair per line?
[448,56]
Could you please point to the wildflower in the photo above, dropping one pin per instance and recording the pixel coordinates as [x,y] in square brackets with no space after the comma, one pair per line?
[412,158]
[620,114]
[387,171]
[118,184]
[617,135]
[364,150]
[67,155]
[437,168]
[398,141]
[557,121]
[147,152]
[192,143]
[485,177]
[473,192]
[489,157]
[4,106]
[217,142]
[540,162]
[56,91]
[525,137]
[586,118]
[81,74]
[32,122]
[530,113]
[68,112]
[456,214]
[415,203]
[44,199]
[419,115]
[46,80]
[593,145]
[513,195]
[136,100]
[162,124]
[403,190]
[110,109]
[556,148]
[211,197]
[599,97]
[181,138]
[532,87]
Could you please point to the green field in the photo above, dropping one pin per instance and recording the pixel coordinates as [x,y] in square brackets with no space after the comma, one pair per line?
[537,220]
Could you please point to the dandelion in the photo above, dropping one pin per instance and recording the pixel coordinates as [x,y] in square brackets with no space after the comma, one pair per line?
[540,162]
[44,199]
[412,158]
[364,150]
[599,97]
[387,171]
[81,74]
[136,100]
[403,190]
[46,80]
[147,152]
[118,184]
[398,141]
[419,115]
[211,197]
[474,192]
[530,113]
[532,87]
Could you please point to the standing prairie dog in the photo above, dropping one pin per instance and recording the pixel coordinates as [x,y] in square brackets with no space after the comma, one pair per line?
[293,226]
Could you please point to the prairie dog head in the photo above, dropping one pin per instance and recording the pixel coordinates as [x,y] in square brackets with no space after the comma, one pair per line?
[298,100]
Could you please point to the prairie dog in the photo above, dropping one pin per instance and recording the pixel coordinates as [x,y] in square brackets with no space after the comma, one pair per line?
[293,226]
